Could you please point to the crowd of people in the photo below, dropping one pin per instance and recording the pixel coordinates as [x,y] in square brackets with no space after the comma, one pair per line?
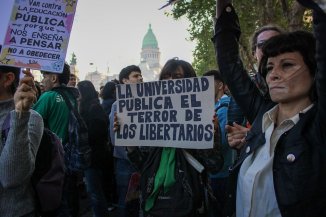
[268,157]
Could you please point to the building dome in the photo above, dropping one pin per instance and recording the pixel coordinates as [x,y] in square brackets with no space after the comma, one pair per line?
[149,40]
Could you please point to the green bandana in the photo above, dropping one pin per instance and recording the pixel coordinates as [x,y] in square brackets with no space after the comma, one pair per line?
[164,176]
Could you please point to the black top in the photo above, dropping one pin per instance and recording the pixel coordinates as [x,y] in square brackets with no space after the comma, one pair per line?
[97,124]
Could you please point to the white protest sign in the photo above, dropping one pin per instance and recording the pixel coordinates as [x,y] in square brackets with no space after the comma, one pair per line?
[5,11]
[38,34]
[167,113]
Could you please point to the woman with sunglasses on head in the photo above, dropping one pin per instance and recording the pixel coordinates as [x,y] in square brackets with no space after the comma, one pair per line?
[235,131]
[281,170]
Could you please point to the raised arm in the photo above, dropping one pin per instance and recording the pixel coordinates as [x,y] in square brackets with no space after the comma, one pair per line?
[319,21]
[320,34]
[17,159]
[226,38]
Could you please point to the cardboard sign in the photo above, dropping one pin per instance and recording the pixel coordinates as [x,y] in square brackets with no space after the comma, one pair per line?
[168,113]
[38,33]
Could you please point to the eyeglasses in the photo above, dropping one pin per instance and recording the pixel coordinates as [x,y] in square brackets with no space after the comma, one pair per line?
[260,44]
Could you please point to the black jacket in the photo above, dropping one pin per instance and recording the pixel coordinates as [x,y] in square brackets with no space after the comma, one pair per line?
[97,125]
[299,185]
[147,161]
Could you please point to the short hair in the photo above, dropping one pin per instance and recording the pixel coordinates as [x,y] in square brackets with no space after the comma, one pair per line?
[64,76]
[217,75]
[172,65]
[125,72]
[270,27]
[297,41]
[15,71]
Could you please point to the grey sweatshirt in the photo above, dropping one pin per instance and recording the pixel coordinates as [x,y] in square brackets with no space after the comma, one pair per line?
[17,160]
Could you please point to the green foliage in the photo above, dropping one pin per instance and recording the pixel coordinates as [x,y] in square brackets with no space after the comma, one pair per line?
[252,14]
[199,13]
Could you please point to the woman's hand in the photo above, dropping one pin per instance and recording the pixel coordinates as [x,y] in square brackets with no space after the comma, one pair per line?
[116,127]
[236,135]
[25,94]
[220,5]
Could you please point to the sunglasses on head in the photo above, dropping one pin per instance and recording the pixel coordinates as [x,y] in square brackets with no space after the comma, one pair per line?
[260,44]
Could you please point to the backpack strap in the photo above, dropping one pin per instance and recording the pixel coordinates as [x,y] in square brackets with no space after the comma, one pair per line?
[70,106]
[5,129]
[193,161]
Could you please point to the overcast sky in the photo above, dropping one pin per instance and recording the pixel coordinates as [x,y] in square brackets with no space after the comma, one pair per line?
[109,33]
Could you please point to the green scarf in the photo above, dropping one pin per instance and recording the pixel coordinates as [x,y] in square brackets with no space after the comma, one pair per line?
[164,176]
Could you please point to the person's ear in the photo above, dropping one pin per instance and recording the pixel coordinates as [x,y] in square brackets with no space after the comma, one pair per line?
[125,81]
[54,78]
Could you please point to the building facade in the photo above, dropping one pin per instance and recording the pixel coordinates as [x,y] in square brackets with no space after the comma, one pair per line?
[98,79]
[150,57]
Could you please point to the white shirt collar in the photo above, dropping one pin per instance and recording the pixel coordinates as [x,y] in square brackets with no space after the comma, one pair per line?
[271,115]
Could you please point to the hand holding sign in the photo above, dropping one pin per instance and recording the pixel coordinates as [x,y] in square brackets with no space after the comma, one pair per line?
[25,95]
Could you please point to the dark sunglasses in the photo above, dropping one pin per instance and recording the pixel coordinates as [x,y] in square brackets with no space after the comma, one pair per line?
[260,44]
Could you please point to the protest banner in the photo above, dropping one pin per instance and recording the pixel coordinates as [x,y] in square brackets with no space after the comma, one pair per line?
[38,34]
[167,113]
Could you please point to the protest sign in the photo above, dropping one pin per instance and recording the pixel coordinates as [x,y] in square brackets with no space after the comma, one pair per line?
[38,33]
[167,113]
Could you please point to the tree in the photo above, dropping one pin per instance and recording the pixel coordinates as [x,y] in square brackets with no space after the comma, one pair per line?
[252,14]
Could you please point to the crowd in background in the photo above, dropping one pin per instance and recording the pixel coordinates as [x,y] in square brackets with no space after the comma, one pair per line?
[268,158]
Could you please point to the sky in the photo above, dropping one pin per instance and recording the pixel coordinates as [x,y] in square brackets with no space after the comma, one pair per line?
[109,33]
